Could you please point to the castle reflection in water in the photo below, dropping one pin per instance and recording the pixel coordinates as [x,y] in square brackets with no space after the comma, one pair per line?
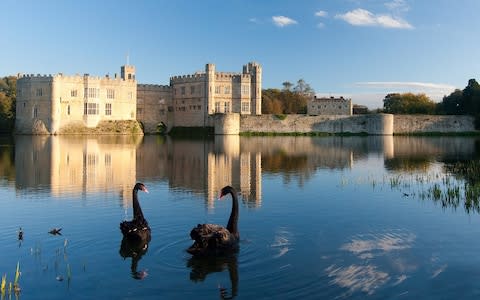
[80,164]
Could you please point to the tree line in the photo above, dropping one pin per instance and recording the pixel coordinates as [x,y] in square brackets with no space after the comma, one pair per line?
[459,102]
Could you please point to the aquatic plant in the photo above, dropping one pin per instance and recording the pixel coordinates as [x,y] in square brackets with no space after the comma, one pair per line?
[15,286]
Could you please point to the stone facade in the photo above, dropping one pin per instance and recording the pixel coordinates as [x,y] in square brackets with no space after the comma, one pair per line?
[50,104]
[46,104]
[191,100]
[329,106]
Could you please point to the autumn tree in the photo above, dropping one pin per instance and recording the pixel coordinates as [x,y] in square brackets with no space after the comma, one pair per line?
[290,100]
[408,103]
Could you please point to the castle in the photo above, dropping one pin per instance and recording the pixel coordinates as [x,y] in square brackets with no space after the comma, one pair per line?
[329,106]
[50,104]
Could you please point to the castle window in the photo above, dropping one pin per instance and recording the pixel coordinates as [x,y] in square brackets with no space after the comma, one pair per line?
[245,107]
[182,90]
[245,90]
[130,95]
[110,94]
[108,109]
[139,111]
[73,93]
[68,110]
[227,107]
[227,89]
[192,90]
[35,112]
[217,89]
[39,92]
[90,108]
[217,107]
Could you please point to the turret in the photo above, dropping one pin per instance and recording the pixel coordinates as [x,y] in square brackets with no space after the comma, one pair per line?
[127,72]
[255,71]
[210,87]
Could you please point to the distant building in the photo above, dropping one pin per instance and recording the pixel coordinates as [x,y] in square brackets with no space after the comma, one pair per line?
[329,106]
[46,103]
[360,109]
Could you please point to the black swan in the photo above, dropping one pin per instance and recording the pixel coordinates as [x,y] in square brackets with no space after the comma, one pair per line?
[136,230]
[212,239]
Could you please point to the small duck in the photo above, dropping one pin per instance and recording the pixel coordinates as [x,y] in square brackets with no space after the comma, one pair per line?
[56,231]
[20,234]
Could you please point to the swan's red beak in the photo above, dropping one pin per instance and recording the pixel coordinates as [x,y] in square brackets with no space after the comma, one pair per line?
[144,189]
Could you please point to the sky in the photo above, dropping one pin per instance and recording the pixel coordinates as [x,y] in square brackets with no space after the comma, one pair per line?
[359,49]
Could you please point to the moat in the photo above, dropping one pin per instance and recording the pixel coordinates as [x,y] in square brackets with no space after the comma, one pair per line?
[375,217]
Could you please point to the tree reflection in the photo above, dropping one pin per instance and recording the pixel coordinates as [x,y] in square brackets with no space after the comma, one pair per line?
[469,172]
[7,158]
[408,164]
[202,266]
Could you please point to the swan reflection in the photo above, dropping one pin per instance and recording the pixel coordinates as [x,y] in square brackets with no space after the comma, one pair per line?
[202,266]
[134,249]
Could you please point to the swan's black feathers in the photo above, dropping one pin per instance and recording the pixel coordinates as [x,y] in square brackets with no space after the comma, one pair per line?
[137,228]
[212,239]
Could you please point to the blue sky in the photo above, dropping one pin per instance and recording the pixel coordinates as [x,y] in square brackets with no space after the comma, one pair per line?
[361,49]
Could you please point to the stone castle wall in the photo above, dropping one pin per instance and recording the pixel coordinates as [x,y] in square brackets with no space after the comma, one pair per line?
[371,124]
[430,123]
[375,124]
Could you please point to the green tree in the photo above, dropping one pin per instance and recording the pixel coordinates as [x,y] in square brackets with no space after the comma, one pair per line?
[408,103]
[287,85]
[8,87]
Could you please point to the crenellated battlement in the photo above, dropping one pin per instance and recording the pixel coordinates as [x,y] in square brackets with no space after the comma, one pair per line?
[33,76]
[154,87]
[187,78]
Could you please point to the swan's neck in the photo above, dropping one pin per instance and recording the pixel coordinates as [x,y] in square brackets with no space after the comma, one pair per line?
[137,210]
[232,225]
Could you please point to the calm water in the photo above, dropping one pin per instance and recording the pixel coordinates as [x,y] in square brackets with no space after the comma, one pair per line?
[320,218]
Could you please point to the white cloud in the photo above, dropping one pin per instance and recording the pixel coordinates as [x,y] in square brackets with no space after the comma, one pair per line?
[362,17]
[282,21]
[320,25]
[321,13]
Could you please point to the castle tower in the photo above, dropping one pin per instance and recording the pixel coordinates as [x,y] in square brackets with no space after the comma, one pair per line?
[127,72]
[210,89]
[255,71]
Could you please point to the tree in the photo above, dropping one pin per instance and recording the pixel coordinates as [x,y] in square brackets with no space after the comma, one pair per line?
[8,87]
[287,85]
[408,103]
[303,88]
[287,100]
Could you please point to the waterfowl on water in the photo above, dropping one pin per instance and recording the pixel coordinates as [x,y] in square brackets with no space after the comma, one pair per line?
[212,239]
[137,228]
[56,231]
[20,234]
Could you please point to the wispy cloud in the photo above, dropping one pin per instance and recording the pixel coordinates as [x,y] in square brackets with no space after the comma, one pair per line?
[321,13]
[254,20]
[398,5]
[282,21]
[362,17]
[407,85]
